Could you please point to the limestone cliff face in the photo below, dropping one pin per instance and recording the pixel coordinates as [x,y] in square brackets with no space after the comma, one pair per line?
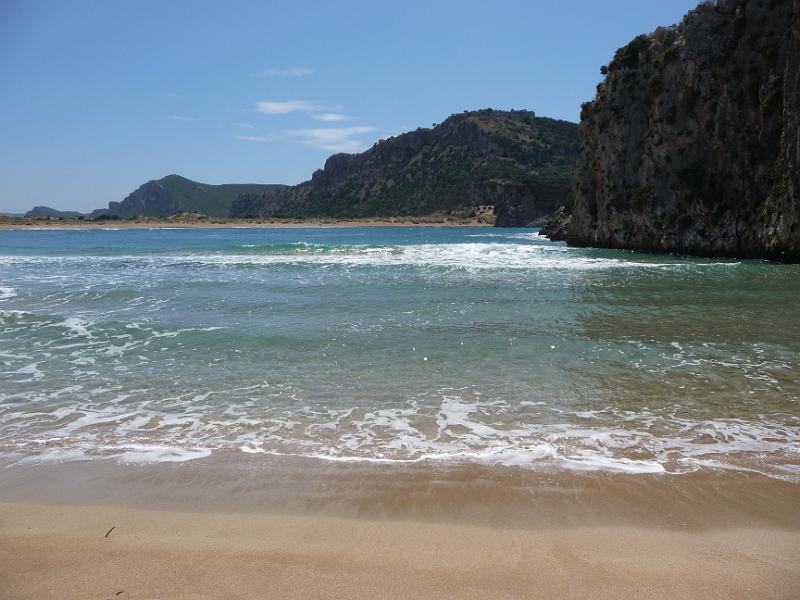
[692,143]
[520,163]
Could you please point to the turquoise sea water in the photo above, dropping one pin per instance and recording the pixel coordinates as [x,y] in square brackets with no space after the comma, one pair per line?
[394,344]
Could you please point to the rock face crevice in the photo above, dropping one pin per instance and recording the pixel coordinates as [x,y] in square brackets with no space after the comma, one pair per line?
[692,144]
[513,160]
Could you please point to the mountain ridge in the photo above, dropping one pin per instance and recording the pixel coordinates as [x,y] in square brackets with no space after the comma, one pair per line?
[519,163]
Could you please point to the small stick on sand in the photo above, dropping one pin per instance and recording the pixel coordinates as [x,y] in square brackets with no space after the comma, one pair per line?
[110,530]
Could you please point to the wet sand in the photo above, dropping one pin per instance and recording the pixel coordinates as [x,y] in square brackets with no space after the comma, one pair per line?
[232,527]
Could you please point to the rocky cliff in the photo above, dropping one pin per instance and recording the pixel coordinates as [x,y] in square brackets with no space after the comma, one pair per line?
[517,162]
[692,143]
[173,194]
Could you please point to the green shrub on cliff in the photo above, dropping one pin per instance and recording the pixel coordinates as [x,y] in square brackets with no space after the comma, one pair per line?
[628,56]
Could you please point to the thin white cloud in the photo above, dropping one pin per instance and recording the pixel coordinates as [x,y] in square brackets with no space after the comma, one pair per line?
[288,106]
[181,118]
[290,72]
[335,139]
[330,116]
[244,125]
[174,95]
[258,138]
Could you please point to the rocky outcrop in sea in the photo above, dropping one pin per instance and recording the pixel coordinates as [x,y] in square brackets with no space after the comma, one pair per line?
[692,143]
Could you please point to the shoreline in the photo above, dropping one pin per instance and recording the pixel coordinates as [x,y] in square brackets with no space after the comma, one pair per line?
[460,492]
[298,529]
[38,223]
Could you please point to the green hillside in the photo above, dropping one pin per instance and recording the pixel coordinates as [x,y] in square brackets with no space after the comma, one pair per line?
[517,162]
[173,193]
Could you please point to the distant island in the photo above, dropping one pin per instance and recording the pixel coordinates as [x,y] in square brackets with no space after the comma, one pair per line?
[510,165]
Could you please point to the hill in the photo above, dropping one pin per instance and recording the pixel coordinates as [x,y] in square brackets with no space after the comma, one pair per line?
[519,163]
[173,194]
[46,211]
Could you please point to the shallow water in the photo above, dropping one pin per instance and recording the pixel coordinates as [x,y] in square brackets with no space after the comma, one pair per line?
[394,344]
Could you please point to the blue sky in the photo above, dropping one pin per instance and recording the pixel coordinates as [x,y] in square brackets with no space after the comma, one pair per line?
[99,97]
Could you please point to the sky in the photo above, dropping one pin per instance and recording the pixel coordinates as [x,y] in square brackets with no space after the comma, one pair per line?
[97,97]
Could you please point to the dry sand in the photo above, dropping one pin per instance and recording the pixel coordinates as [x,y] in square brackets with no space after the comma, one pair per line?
[276,528]
[51,551]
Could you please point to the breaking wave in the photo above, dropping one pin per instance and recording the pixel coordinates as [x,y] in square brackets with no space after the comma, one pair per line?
[130,428]
[167,353]
[466,256]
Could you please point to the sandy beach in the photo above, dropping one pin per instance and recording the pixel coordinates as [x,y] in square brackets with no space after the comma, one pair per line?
[217,529]
[52,551]
[182,222]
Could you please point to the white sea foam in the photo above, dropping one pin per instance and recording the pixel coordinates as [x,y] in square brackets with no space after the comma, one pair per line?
[55,454]
[6,293]
[457,430]
[31,369]
[76,327]
[157,453]
[469,256]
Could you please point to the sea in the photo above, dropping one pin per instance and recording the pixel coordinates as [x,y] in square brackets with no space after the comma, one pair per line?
[394,345]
